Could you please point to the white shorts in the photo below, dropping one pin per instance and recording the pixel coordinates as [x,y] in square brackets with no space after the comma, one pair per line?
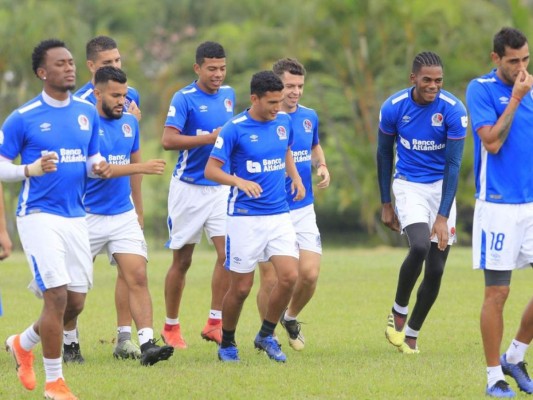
[193,208]
[57,250]
[113,234]
[419,203]
[502,236]
[254,238]
[307,233]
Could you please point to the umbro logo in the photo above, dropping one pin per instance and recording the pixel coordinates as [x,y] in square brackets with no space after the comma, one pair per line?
[45,126]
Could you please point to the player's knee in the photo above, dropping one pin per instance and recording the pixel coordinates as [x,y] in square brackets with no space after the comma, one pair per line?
[496,296]
[420,249]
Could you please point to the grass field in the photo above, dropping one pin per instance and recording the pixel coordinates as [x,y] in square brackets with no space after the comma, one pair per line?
[346,355]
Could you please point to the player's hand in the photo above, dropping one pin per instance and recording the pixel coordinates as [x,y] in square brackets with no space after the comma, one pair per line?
[298,188]
[155,167]
[389,217]
[135,110]
[102,169]
[522,84]
[5,244]
[212,136]
[323,172]
[251,188]
[43,165]
[440,231]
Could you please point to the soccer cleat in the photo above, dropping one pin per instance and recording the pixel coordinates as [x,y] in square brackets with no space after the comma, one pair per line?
[270,347]
[395,337]
[127,349]
[72,354]
[151,353]
[228,354]
[213,333]
[500,389]
[58,390]
[23,361]
[294,332]
[173,337]
[405,349]
[518,372]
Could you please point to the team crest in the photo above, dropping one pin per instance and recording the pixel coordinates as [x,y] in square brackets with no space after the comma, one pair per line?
[308,125]
[84,122]
[282,132]
[127,131]
[437,119]
[229,105]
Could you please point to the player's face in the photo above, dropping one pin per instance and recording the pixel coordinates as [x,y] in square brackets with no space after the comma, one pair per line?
[293,90]
[514,61]
[211,74]
[266,108]
[428,82]
[105,58]
[112,97]
[59,71]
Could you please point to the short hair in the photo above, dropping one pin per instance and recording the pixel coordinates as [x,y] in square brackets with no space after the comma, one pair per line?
[290,65]
[426,59]
[39,52]
[97,45]
[109,73]
[265,81]
[209,50]
[508,37]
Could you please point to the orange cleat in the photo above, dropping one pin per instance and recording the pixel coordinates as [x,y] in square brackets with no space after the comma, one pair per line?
[23,360]
[213,333]
[58,390]
[172,337]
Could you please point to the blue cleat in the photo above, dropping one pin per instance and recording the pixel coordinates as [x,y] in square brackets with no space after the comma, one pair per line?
[500,389]
[518,372]
[270,346]
[228,354]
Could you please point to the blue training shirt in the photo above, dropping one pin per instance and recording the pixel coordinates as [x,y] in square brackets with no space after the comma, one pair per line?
[256,151]
[421,133]
[119,138]
[194,112]
[505,177]
[86,92]
[305,131]
[46,125]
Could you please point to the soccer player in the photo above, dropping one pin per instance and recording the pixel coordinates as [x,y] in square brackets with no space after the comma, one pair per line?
[307,152]
[111,217]
[195,203]
[428,126]
[501,108]
[54,127]
[102,51]
[256,146]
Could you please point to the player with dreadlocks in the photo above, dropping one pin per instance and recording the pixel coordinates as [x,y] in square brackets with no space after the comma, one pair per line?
[428,126]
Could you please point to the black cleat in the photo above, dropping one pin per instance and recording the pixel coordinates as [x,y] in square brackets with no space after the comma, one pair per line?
[72,354]
[152,353]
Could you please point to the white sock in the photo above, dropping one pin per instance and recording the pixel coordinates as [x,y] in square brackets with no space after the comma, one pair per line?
[124,329]
[172,321]
[400,309]
[144,335]
[411,332]
[53,369]
[516,352]
[70,337]
[29,338]
[494,374]
[215,314]
[288,317]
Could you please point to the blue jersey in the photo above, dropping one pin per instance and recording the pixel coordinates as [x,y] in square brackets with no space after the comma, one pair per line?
[256,151]
[305,131]
[119,138]
[72,132]
[506,177]
[86,92]
[194,112]
[421,133]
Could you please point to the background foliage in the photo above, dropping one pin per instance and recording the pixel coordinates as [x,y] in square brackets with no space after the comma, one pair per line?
[357,53]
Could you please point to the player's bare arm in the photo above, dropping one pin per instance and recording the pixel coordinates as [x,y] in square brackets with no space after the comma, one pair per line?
[214,172]
[296,185]
[493,137]
[319,161]
[173,139]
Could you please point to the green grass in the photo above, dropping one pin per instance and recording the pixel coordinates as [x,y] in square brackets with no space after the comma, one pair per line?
[347,355]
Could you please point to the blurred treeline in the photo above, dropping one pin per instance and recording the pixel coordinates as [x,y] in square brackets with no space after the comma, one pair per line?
[357,53]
